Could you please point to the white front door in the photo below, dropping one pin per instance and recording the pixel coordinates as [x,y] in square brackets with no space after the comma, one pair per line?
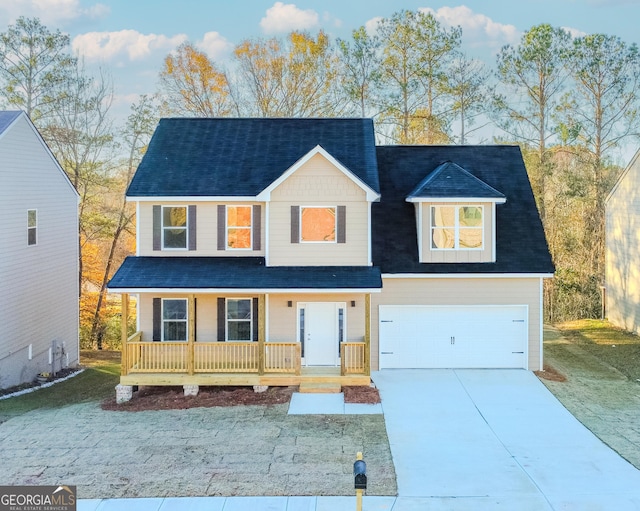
[321,326]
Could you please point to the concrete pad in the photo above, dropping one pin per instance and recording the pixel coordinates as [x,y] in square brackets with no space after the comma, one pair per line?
[532,503]
[316,404]
[88,504]
[193,504]
[152,504]
[485,439]
[349,503]
[256,504]
[362,409]
[301,503]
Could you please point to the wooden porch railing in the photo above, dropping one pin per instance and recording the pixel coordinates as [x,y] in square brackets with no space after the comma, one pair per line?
[353,357]
[208,357]
[225,357]
[282,357]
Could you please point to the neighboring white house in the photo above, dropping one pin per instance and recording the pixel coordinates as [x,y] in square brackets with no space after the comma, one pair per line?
[622,253]
[38,258]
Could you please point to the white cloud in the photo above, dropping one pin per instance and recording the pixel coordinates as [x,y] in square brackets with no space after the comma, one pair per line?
[282,18]
[106,46]
[215,45]
[477,29]
[50,12]
[574,32]
[372,25]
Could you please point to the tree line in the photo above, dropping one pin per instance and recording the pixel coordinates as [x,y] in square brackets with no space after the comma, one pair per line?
[569,102]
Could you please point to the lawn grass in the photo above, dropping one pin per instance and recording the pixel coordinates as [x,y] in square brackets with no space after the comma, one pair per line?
[609,344]
[101,375]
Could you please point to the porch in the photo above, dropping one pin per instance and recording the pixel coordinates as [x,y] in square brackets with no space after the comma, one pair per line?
[260,363]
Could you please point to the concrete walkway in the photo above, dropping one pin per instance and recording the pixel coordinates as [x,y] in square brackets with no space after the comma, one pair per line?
[464,440]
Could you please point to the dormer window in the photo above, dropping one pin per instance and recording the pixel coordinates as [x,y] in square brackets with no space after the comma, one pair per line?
[457,227]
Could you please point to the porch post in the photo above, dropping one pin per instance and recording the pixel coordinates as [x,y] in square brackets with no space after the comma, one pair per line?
[367,334]
[262,321]
[124,321]
[191,314]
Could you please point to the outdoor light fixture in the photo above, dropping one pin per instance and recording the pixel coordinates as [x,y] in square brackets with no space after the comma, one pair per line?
[289,303]
[353,303]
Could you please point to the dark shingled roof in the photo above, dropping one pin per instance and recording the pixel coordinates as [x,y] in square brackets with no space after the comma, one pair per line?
[450,180]
[241,157]
[521,246]
[6,118]
[237,273]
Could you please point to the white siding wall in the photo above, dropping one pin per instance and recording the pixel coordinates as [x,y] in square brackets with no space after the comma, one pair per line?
[622,271]
[461,291]
[38,284]
[318,183]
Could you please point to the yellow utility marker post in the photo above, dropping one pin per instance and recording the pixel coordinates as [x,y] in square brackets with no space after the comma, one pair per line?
[360,475]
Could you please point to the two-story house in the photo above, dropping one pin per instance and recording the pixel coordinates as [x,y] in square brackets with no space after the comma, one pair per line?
[295,251]
[38,258]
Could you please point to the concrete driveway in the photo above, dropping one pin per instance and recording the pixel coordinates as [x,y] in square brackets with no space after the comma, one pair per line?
[485,439]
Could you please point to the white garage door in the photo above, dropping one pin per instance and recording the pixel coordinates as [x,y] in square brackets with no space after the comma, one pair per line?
[418,336]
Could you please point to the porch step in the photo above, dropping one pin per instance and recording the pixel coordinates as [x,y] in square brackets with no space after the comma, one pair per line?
[320,388]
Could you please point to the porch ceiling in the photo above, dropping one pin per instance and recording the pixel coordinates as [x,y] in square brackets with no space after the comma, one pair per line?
[139,274]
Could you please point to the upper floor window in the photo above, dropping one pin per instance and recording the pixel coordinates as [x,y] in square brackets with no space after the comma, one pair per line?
[174,319]
[457,227]
[32,227]
[239,221]
[318,224]
[174,227]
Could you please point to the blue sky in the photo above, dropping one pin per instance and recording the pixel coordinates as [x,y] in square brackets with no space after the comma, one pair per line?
[131,37]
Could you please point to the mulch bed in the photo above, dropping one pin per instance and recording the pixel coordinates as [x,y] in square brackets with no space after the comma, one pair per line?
[173,398]
[361,394]
[551,374]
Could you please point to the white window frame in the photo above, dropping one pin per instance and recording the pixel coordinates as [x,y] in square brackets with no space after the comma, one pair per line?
[228,227]
[186,228]
[335,224]
[32,227]
[185,320]
[456,227]
[228,320]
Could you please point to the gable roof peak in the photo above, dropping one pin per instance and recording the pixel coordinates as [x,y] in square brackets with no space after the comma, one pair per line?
[451,181]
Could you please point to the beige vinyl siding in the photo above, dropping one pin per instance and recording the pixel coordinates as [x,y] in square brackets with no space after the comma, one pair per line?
[318,183]
[282,319]
[622,255]
[460,291]
[38,283]
[206,231]
[430,255]
[206,314]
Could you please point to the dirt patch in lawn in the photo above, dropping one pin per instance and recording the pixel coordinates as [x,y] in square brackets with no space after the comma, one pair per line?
[551,374]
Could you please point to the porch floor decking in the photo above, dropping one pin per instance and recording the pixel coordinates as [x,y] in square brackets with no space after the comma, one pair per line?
[329,375]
